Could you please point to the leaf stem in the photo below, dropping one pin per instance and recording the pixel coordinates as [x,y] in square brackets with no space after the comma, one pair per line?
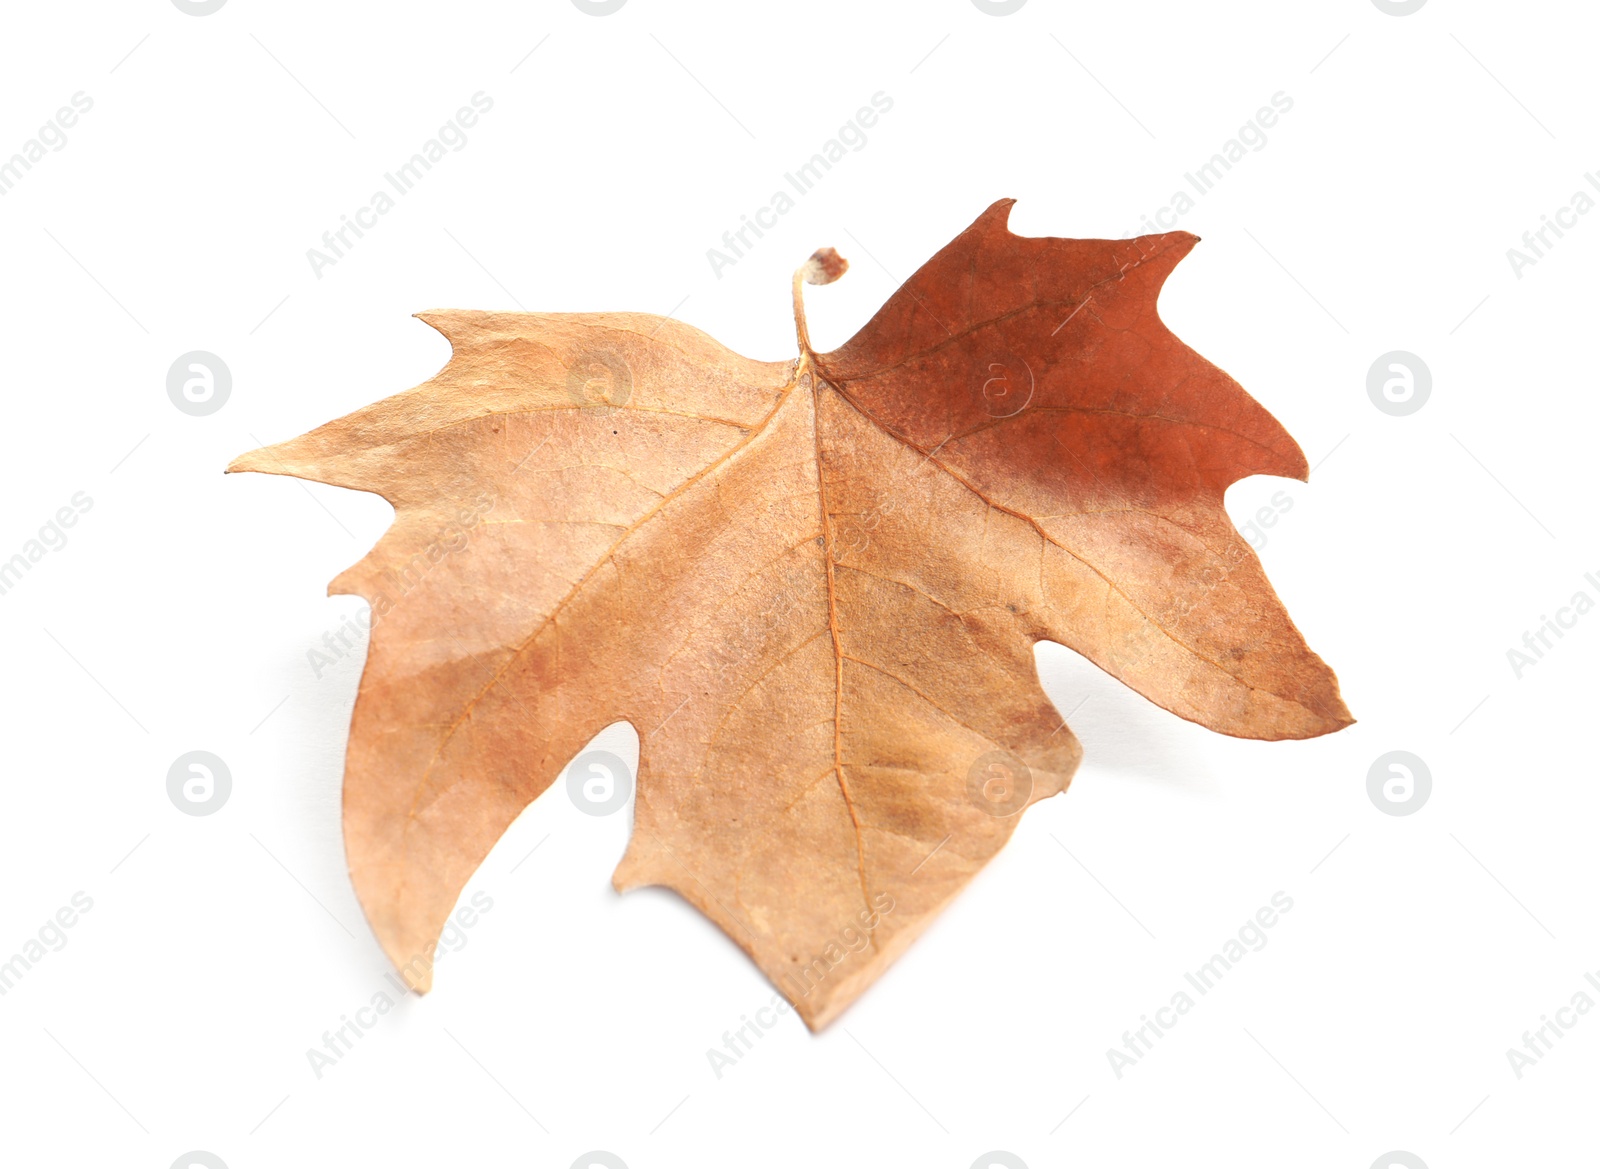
[801,336]
[824,267]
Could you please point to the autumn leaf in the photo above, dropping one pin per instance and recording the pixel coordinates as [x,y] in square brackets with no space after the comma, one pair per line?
[812,586]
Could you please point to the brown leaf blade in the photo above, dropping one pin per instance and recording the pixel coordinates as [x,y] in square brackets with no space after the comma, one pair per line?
[813,588]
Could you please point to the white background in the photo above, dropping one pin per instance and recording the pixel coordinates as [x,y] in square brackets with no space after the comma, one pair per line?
[179,615]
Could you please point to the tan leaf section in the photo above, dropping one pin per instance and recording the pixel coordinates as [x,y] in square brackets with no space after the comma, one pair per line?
[813,588]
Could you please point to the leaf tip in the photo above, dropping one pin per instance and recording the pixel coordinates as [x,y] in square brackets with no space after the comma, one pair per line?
[245,462]
[1332,717]
[1180,243]
[997,215]
[452,324]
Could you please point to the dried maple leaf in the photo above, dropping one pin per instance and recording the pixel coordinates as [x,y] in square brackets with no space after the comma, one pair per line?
[812,586]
